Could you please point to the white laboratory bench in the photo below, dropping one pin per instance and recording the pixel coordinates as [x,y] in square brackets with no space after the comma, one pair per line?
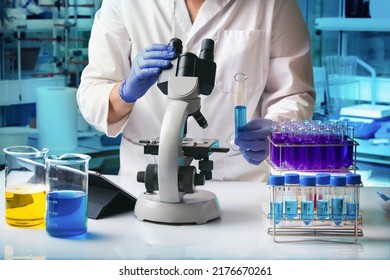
[240,233]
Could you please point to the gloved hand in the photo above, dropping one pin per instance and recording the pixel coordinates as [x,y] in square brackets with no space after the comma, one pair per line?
[253,141]
[45,15]
[145,70]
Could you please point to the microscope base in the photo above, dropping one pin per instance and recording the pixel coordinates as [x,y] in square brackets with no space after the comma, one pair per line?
[198,207]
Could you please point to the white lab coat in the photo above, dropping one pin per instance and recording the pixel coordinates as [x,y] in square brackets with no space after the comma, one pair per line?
[265,39]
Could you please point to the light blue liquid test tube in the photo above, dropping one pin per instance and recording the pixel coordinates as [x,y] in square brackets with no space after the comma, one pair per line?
[323,196]
[276,182]
[352,196]
[291,181]
[307,198]
[338,184]
[240,88]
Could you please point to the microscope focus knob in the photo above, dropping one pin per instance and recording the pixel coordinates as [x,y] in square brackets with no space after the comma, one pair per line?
[149,177]
[206,166]
[186,179]
[200,179]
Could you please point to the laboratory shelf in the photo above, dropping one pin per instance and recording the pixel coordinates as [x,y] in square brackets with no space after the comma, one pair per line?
[352,24]
[83,24]
[371,152]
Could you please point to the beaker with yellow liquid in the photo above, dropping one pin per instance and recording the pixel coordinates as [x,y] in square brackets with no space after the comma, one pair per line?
[25,188]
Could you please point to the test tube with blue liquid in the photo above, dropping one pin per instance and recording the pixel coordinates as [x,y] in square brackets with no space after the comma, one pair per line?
[352,196]
[323,196]
[240,88]
[338,184]
[291,181]
[307,198]
[276,182]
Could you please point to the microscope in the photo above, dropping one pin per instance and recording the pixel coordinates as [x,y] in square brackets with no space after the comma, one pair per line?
[171,195]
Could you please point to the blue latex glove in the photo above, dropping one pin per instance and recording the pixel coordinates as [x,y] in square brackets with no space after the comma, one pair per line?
[253,142]
[145,70]
[45,15]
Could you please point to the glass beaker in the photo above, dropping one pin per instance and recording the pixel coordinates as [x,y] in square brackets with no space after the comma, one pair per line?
[25,190]
[343,87]
[67,197]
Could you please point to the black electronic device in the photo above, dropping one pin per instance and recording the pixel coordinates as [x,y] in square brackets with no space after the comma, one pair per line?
[106,198]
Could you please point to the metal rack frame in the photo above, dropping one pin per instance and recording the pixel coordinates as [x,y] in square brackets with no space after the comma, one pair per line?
[281,168]
[294,230]
[318,229]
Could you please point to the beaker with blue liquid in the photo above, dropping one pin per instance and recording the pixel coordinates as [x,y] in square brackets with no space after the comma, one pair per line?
[67,197]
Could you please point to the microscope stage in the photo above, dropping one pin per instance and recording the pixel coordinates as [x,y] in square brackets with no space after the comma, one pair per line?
[196,148]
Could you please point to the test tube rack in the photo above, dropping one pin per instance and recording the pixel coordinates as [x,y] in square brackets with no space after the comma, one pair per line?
[339,159]
[283,154]
[295,229]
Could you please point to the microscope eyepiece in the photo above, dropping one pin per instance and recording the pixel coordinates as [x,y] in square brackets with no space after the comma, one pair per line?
[207,50]
[186,65]
[177,44]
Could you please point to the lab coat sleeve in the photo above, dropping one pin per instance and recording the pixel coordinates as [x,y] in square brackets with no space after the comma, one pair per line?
[109,51]
[289,91]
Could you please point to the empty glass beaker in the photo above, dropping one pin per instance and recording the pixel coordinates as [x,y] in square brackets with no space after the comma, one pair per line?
[67,198]
[25,190]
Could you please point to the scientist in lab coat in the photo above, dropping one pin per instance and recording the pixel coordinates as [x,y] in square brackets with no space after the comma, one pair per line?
[265,39]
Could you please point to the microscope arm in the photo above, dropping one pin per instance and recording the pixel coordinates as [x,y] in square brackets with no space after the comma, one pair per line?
[183,100]
[170,151]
